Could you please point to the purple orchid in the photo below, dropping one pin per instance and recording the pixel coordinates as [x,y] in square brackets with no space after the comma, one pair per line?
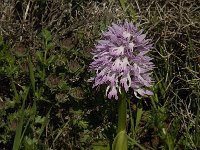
[120,61]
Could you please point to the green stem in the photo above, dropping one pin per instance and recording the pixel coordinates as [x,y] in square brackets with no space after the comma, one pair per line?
[131,118]
[121,140]
[122,113]
[135,143]
[44,64]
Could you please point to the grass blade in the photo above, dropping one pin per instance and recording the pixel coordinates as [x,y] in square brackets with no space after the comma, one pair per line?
[17,140]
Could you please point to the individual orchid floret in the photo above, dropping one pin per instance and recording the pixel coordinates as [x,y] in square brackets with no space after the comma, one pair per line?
[121,62]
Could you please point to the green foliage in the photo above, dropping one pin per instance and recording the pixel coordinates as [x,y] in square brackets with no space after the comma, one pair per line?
[100,146]
[18,135]
[120,141]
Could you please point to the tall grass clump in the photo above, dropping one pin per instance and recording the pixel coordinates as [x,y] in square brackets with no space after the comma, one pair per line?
[174,112]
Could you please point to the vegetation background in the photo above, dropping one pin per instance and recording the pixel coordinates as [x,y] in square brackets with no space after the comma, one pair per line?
[46,102]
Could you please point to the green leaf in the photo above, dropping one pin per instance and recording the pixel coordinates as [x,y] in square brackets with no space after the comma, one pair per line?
[16,95]
[40,74]
[83,124]
[39,119]
[120,141]
[134,142]
[123,4]
[139,116]
[101,145]
[50,45]
[44,121]
[29,143]
[50,59]
[133,14]
[61,131]
[39,56]
[63,86]
[46,35]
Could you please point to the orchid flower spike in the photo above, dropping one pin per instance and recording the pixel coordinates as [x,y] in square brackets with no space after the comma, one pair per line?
[121,61]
